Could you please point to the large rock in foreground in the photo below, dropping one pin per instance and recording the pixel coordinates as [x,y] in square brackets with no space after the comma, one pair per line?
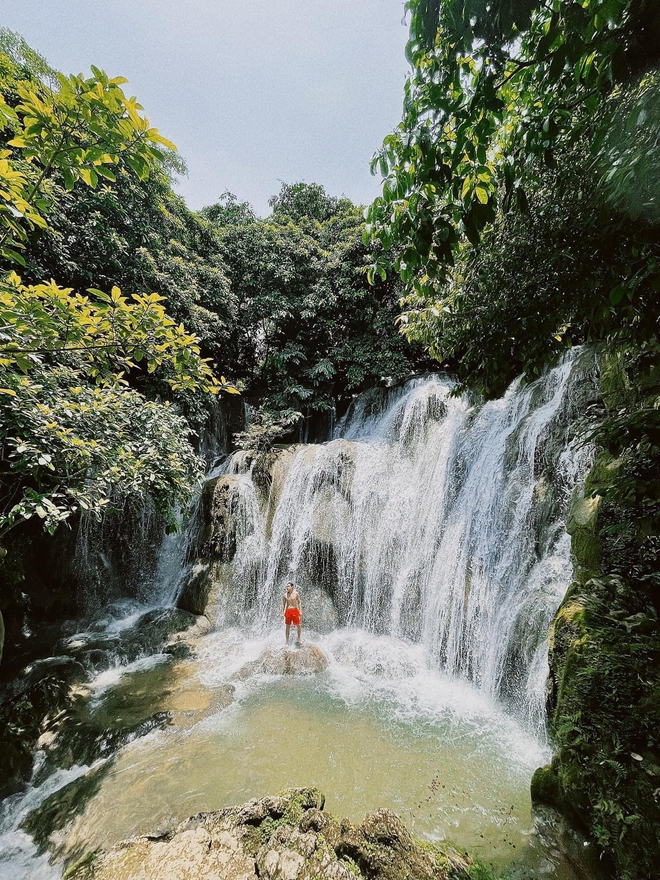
[288,837]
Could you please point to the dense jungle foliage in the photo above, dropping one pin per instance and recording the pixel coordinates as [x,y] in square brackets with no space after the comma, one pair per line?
[520,211]
[520,208]
[101,390]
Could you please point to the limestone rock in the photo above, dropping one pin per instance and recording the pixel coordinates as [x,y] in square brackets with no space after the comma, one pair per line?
[216,538]
[276,838]
[262,473]
[199,626]
[98,651]
[194,595]
[383,847]
[305,660]
[330,510]
[320,613]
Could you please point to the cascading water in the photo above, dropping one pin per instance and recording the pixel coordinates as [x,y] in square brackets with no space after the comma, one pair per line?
[427,519]
[428,541]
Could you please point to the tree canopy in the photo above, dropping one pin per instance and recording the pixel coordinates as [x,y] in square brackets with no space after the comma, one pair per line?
[310,330]
[74,436]
[503,98]
[119,306]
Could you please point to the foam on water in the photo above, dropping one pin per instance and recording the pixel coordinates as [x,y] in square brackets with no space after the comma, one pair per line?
[19,859]
[380,727]
[390,676]
[112,676]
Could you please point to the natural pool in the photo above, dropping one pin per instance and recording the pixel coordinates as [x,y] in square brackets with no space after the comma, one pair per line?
[377,728]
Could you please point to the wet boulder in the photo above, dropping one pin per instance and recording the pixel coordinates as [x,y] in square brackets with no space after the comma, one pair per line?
[196,589]
[218,518]
[41,691]
[98,651]
[305,660]
[382,847]
[262,473]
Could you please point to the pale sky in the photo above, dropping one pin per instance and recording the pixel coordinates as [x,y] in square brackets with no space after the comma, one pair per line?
[252,92]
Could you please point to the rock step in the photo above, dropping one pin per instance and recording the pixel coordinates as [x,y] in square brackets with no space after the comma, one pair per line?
[308,659]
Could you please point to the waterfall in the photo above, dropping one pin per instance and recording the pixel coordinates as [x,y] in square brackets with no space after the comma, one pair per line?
[429,518]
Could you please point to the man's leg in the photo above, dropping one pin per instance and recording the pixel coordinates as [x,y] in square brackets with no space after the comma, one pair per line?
[299,628]
[288,628]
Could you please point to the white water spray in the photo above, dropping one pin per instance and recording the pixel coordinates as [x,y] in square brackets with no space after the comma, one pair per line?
[427,519]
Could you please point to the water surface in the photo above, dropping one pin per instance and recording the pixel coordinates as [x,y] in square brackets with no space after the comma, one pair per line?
[378,728]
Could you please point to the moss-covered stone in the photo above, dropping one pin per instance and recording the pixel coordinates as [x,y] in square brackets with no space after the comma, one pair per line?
[545,788]
[262,473]
[41,691]
[288,837]
[604,693]
[82,869]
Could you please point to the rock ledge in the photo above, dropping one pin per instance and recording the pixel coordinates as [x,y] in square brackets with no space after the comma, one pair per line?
[288,837]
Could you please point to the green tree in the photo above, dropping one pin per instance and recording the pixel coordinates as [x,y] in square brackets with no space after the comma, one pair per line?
[495,89]
[138,235]
[311,331]
[81,130]
[74,436]
[301,201]
[228,211]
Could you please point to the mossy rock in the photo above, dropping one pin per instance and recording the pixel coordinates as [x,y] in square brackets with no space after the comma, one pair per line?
[604,701]
[583,513]
[288,837]
[262,472]
[545,788]
[82,869]
[586,549]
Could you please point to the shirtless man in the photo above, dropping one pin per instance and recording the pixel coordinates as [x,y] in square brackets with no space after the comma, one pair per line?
[292,610]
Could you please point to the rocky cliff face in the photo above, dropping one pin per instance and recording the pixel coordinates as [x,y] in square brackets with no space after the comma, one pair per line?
[289,837]
[604,686]
[229,534]
[47,579]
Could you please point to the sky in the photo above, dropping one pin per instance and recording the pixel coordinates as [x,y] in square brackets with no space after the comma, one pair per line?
[252,92]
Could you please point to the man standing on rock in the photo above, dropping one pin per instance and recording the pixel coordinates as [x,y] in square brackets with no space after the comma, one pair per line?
[292,611]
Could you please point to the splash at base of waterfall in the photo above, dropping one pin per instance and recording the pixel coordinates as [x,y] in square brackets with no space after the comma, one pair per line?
[427,518]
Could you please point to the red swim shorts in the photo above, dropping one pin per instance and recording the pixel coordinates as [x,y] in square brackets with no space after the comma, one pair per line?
[292,616]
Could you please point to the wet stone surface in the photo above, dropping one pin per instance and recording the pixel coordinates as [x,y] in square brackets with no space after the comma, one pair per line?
[304,660]
[47,706]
